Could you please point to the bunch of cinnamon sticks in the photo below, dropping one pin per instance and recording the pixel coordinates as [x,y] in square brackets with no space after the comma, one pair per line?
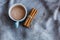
[30,17]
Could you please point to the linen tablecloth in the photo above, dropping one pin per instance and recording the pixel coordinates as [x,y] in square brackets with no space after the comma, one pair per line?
[43,26]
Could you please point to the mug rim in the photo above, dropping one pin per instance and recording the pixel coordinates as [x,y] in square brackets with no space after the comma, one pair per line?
[14,6]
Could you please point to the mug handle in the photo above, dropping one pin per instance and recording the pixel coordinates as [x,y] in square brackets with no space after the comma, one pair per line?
[17,24]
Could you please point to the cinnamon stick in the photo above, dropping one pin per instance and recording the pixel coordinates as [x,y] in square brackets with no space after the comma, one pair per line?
[30,17]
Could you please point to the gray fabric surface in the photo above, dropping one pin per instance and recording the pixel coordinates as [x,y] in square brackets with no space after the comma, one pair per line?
[43,27]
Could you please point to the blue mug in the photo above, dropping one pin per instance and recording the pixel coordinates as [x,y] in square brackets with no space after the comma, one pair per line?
[17,21]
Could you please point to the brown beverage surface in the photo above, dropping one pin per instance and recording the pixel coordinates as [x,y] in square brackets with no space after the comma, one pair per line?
[18,12]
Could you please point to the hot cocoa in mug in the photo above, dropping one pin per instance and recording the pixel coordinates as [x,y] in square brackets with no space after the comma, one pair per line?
[17,12]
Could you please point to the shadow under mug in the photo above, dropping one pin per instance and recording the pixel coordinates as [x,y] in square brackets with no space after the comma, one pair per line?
[17,21]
